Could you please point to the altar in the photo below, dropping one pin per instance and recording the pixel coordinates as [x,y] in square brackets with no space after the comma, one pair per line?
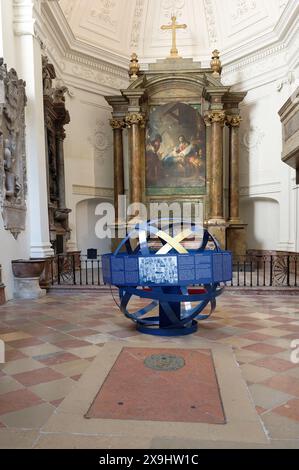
[183,140]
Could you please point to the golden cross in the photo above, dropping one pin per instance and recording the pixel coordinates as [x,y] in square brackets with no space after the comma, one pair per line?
[174,53]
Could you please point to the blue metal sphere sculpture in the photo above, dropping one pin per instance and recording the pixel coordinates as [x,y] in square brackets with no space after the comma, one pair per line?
[164,276]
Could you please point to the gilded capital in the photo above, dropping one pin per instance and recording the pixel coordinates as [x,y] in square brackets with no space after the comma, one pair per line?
[217,117]
[117,123]
[234,120]
[207,120]
[135,118]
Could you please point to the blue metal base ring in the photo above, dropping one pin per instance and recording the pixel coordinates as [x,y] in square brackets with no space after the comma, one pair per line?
[147,330]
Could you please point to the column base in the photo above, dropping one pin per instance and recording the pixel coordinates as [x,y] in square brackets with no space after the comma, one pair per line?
[71,246]
[28,289]
[2,294]
[219,232]
[237,239]
[43,250]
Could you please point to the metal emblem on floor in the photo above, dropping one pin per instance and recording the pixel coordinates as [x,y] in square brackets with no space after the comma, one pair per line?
[164,362]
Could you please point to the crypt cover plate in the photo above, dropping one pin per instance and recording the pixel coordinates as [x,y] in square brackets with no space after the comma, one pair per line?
[175,151]
[145,384]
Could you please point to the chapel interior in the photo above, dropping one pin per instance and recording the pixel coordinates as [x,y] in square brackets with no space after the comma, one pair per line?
[111,103]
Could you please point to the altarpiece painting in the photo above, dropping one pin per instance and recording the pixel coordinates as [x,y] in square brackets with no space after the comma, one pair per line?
[175,158]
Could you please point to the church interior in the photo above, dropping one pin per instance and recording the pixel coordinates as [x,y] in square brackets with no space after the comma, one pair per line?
[107,105]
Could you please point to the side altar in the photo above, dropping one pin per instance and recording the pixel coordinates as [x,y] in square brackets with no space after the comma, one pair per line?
[183,140]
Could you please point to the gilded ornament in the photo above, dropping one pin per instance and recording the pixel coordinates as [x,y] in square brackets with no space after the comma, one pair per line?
[234,120]
[134,67]
[173,27]
[117,123]
[216,65]
[134,118]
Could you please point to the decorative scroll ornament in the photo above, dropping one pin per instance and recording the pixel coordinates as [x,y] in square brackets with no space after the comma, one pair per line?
[216,65]
[13,178]
[134,67]
[252,138]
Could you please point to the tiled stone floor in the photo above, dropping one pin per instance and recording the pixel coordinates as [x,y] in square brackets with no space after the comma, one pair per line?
[50,343]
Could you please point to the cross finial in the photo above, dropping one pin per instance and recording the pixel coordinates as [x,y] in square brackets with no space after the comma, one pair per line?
[174,53]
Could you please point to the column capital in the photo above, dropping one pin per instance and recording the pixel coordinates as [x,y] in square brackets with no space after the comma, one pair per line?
[25,16]
[216,117]
[117,123]
[135,118]
[233,120]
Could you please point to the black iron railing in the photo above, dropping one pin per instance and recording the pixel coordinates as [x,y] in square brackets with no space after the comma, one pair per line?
[266,271]
[76,270]
[248,271]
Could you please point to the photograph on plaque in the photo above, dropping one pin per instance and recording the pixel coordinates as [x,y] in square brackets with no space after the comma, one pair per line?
[157,270]
[175,151]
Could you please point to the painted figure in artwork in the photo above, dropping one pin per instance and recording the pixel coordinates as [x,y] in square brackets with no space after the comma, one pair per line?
[154,156]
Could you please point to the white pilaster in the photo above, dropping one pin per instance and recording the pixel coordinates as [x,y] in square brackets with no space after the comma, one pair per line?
[30,69]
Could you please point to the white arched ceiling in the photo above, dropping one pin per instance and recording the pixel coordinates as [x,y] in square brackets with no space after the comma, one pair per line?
[121,26]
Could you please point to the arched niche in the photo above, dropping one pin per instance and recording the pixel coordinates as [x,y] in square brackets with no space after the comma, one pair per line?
[85,227]
[262,214]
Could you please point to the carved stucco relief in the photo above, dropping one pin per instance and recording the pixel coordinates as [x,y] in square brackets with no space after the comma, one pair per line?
[243,8]
[170,7]
[101,141]
[211,22]
[136,25]
[13,178]
[104,11]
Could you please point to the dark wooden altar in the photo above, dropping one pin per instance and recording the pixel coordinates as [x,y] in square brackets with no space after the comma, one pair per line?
[176,107]
[56,117]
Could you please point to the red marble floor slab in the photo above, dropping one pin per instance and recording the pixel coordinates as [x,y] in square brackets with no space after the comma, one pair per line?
[274,363]
[56,403]
[289,410]
[256,336]
[264,348]
[133,391]
[249,326]
[14,401]
[57,358]
[71,343]
[38,376]
[13,355]
[26,342]
[289,327]
[281,319]
[83,332]
[284,383]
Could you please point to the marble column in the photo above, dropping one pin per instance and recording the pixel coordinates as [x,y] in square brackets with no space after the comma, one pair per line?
[217,119]
[234,168]
[61,169]
[29,58]
[134,121]
[119,180]
[208,167]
